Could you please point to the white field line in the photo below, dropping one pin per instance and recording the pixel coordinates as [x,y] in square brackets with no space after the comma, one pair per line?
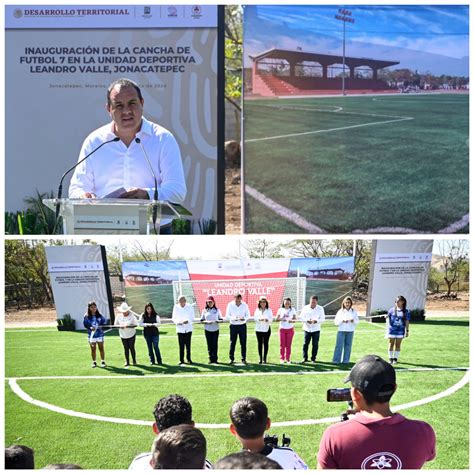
[27,398]
[337,110]
[284,212]
[327,130]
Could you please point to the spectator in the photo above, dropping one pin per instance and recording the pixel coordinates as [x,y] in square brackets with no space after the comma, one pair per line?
[249,417]
[19,457]
[179,447]
[171,410]
[375,438]
[246,460]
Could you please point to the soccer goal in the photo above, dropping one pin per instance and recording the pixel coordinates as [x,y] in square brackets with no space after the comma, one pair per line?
[251,289]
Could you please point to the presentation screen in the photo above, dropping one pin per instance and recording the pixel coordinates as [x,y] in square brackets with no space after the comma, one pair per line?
[59,62]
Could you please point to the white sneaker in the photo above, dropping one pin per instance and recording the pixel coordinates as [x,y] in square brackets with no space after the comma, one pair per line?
[282,361]
[103,364]
[288,362]
[94,365]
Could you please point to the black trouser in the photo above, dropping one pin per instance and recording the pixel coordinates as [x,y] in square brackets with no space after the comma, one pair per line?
[239,330]
[212,338]
[262,340]
[314,338]
[129,346]
[184,339]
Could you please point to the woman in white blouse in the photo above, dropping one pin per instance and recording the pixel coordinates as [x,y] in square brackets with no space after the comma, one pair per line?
[346,320]
[287,317]
[263,317]
[127,322]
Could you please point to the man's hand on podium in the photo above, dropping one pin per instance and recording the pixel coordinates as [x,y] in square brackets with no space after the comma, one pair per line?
[88,196]
[134,193]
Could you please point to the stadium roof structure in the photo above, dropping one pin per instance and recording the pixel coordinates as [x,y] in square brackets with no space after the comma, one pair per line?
[323,59]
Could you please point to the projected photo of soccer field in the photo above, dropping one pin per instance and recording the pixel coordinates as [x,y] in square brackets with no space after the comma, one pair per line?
[372,140]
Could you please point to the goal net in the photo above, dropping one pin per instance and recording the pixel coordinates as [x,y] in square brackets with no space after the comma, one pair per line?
[251,289]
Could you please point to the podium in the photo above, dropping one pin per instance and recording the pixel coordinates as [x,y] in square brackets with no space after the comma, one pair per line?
[113,216]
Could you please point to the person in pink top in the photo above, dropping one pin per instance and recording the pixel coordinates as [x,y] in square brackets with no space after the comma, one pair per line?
[287,317]
[376,438]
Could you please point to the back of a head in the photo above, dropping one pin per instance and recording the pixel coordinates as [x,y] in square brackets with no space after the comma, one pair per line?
[246,460]
[171,411]
[179,447]
[249,416]
[375,378]
[19,457]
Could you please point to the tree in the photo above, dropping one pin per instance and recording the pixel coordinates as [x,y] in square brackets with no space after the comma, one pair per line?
[363,251]
[454,255]
[322,248]
[435,279]
[263,248]
[233,55]
[137,252]
[26,265]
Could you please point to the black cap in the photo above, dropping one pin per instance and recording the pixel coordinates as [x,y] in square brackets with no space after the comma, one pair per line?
[370,375]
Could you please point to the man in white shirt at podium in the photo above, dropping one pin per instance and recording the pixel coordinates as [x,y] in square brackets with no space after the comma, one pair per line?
[123,168]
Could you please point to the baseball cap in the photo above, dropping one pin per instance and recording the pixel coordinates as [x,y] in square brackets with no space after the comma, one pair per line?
[371,374]
[210,298]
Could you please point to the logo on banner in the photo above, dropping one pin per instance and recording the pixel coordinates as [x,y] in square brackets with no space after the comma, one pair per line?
[147,12]
[196,12]
[18,13]
[172,12]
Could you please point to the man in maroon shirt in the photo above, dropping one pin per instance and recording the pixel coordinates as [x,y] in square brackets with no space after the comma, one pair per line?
[375,438]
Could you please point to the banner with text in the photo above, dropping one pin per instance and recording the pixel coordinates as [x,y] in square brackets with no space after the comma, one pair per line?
[399,267]
[77,275]
[329,278]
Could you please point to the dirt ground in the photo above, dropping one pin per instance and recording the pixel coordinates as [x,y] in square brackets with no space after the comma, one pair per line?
[46,317]
[232,201]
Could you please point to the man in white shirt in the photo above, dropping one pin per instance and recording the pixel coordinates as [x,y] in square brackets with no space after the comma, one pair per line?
[312,316]
[183,316]
[122,163]
[238,313]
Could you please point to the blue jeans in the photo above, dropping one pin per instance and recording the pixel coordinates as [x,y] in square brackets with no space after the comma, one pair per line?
[152,343]
[343,344]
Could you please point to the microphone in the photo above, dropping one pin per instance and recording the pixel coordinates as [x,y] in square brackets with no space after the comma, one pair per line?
[155,195]
[60,188]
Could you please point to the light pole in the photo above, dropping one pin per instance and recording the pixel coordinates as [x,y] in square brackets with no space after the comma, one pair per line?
[344,15]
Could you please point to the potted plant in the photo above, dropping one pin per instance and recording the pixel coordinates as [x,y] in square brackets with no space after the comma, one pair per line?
[66,323]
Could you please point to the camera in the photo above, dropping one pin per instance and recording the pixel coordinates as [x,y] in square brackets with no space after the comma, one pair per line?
[272,440]
[339,395]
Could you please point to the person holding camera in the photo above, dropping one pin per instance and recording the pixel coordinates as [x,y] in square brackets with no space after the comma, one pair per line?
[249,421]
[376,438]
[346,321]
[398,323]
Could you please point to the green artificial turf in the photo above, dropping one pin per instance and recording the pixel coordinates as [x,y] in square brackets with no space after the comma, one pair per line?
[292,392]
[411,173]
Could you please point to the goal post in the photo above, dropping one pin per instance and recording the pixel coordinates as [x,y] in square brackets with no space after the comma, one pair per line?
[251,289]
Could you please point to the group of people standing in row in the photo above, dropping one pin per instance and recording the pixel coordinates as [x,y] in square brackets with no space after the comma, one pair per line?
[237,314]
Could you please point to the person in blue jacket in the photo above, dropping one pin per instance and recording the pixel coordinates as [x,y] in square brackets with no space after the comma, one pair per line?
[398,323]
[93,321]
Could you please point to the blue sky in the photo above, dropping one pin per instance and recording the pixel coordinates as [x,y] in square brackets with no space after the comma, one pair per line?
[416,35]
